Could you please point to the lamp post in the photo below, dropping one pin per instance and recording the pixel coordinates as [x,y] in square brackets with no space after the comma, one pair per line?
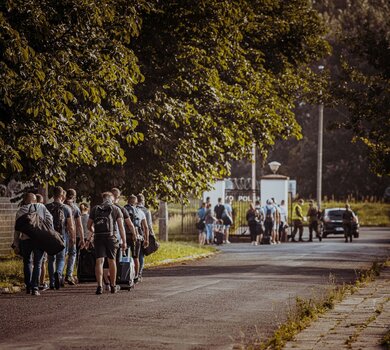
[274,166]
[319,146]
[254,173]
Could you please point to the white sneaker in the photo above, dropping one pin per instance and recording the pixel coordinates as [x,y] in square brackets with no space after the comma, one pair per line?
[227,242]
[256,243]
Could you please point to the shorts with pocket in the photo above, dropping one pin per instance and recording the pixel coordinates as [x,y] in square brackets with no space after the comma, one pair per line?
[135,247]
[106,247]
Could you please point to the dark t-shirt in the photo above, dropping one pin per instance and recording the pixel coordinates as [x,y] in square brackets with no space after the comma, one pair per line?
[347,216]
[219,209]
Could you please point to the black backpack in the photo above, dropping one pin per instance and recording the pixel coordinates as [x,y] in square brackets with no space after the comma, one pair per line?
[57,211]
[134,217]
[268,215]
[103,221]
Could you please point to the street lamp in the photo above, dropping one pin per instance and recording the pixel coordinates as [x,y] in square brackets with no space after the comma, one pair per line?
[274,166]
[319,147]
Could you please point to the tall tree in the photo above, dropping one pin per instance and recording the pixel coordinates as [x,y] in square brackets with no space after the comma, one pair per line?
[67,80]
[218,75]
[362,82]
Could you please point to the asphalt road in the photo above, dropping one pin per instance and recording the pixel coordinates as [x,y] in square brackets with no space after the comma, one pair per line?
[231,298]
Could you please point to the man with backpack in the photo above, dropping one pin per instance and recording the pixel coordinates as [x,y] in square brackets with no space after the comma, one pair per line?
[101,224]
[138,218]
[63,224]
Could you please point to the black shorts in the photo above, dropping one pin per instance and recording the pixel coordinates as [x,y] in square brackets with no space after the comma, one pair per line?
[135,247]
[106,247]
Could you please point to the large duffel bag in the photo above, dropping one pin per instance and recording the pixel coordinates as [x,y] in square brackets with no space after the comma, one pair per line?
[152,247]
[86,265]
[42,235]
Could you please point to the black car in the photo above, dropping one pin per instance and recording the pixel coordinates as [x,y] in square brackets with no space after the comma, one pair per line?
[332,223]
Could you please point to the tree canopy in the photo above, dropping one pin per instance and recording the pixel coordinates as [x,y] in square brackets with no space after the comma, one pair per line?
[361,83]
[172,91]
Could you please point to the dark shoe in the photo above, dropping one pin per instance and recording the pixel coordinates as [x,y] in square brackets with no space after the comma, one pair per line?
[35,292]
[57,280]
[320,238]
[136,280]
[28,290]
[300,240]
[51,287]
[70,280]
[310,240]
[115,289]
[99,290]
[293,240]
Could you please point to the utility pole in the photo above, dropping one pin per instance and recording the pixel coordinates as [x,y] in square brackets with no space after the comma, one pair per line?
[319,146]
[254,173]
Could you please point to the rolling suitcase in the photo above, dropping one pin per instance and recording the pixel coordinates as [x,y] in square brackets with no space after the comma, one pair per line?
[86,265]
[125,270]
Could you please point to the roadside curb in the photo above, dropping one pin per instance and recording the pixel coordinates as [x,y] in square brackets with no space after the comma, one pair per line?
[10,290]
[360,321]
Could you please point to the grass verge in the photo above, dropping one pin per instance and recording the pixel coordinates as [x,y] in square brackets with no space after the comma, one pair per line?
[306,311]
[11,267]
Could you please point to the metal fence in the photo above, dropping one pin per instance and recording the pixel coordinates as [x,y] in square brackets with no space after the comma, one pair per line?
[182,219]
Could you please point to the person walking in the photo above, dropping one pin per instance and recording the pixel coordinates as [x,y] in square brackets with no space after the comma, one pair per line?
[138,218]
[312,215]
[269,221]
[200,224]
[260,221]
[23,245]
[149,222]
[349,218]
[101,222]
[298,220]
[252,223]
[227,217]
[283,221]
[63,224]
[73,244]
[209,221]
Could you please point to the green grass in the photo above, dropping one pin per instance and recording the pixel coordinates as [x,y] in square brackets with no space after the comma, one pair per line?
[11,271]
[370,214]
[11,267]
[176,250]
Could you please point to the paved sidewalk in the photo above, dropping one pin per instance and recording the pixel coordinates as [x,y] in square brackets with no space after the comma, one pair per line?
[360,321]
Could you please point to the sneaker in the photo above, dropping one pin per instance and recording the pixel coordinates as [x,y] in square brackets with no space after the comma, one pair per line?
[56,280]
[99,290]
[70,280]
[62,281]
[44,287]
[115,289]
[107,287]
[227,242]
[51,287]
[35,292]
[28,290]
[136,280]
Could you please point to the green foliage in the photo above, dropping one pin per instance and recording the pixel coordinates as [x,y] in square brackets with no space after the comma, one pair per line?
[216,76]
[362,83]
[67,79]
